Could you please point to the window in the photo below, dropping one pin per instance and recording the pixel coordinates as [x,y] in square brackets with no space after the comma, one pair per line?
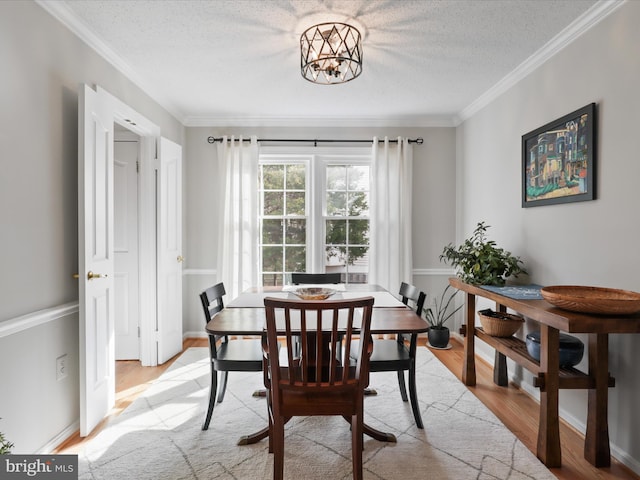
[283,223]
[314,214]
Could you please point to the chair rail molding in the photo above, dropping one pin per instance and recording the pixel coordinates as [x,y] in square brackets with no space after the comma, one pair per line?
[433,272]
[199,271]
[34,319]
[416,271]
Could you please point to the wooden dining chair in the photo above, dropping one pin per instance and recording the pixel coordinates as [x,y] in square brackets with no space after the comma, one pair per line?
[399,354]
[226,355]
[316,383]
[315,278]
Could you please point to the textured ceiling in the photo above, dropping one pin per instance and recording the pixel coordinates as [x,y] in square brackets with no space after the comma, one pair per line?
[238,61]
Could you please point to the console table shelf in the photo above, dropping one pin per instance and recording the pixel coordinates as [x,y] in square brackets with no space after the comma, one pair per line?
[548,376]
[516,350]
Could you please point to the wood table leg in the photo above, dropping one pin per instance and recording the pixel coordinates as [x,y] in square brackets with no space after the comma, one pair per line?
[254,437]
[596,443]
[500,374]
[469,365]
[376,434]
[549,428]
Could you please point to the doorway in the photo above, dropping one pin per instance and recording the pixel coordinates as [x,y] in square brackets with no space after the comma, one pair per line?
[159,262]
[126,243]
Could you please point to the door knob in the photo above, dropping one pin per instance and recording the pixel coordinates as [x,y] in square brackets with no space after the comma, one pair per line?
[91,275]
[180,259]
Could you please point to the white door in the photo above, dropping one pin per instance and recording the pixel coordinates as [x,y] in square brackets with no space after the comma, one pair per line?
[95,252]
[125,184]
[169,250]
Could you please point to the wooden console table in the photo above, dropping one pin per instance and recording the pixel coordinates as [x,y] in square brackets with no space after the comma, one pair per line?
[548,376]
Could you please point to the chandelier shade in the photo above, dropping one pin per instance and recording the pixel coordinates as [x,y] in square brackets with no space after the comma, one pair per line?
[331,53]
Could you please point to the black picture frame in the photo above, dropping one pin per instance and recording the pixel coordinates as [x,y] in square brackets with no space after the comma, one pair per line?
[559,160]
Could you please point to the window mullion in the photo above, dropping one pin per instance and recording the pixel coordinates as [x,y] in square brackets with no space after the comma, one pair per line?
[315,221]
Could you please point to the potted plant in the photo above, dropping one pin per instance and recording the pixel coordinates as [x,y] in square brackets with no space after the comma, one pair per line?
[480,261]
[5,445]
[437,316]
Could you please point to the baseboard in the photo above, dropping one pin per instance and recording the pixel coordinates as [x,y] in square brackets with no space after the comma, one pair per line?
[196,334]
[59,439]
[624,458]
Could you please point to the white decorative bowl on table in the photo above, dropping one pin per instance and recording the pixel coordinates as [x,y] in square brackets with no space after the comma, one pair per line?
[313,293]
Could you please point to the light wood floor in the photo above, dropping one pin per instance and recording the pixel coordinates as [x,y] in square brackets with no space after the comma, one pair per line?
[515,408]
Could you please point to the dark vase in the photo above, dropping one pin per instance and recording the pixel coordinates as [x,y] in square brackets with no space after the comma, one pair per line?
[438,337]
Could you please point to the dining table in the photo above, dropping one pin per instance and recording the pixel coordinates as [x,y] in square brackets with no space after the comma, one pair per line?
[245,316]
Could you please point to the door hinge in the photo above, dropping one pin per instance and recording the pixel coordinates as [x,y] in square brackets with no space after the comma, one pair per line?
[137,166]
[138,332]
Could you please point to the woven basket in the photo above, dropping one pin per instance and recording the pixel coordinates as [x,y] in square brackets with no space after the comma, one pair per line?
[499,324]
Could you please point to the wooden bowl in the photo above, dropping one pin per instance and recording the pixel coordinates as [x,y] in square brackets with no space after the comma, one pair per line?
[598,300]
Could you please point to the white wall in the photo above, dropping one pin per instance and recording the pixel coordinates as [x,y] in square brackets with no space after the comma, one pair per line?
[433,202]
[587,243]
[43,64]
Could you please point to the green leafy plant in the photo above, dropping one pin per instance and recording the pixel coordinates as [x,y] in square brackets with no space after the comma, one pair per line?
[5,445]
[480,261]
[440,313]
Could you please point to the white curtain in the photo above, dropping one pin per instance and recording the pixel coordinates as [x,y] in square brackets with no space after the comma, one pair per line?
[391,257]
[238,234]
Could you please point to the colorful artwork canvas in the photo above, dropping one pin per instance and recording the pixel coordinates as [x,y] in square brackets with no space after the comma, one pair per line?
[558,160]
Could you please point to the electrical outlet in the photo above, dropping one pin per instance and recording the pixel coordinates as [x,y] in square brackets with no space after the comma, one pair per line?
[61,367]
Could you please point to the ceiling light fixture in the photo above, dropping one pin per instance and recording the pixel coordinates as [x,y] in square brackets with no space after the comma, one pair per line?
[331,53]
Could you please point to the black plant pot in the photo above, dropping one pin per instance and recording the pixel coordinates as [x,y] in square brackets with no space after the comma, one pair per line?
[438,337]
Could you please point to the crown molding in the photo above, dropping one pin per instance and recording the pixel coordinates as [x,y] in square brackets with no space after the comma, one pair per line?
[409,121]
[584,22]
[76,25]
[61,12]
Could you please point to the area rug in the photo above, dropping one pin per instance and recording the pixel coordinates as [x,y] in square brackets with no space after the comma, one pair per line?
[159,435]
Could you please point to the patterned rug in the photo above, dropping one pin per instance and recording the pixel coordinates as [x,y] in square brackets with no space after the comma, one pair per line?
[159,436]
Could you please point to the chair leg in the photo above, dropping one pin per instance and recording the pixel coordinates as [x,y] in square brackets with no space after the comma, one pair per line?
[223,387]
[357,445]
[270,415]
[413,393]
[277,442]
[212,398]
[401,385]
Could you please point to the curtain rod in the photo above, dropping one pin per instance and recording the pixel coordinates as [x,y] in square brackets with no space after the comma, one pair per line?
[418,141]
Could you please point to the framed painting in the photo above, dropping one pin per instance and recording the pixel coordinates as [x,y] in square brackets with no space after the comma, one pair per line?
[559,160]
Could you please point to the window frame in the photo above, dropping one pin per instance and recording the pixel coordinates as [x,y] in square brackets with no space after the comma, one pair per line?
[316,160]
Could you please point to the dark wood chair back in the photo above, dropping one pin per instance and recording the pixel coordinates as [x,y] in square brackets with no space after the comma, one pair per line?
[315,278]
[212,301]
[413,294]
[316,382]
